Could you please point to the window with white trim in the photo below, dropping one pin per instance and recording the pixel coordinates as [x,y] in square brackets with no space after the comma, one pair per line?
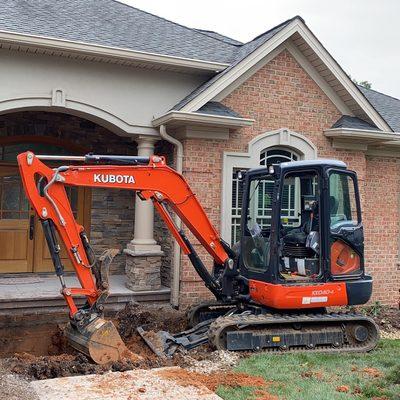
[272,155]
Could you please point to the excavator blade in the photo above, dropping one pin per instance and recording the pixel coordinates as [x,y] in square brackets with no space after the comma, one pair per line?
[99,340]
[165,344]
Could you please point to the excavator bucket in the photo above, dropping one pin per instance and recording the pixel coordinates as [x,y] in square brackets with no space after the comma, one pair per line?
[99,340]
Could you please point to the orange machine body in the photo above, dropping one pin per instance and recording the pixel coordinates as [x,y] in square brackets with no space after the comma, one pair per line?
[297,296]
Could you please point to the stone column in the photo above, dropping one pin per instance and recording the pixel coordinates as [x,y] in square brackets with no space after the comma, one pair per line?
[143,254]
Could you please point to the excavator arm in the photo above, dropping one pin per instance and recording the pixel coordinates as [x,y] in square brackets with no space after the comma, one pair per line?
[150,177]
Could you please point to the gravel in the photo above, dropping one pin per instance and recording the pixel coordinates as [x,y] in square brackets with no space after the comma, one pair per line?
[13,387]
[219,360]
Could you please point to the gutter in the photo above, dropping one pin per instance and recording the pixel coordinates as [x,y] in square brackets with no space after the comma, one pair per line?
[107,52]
[176,262]
[177,117]
[364,135]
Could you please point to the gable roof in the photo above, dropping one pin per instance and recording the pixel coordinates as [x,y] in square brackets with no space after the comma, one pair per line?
[294,36]
[111,23]
[387,106]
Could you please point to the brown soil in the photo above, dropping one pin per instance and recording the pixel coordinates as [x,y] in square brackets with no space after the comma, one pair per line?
[343,389]
[212,381]
[372,372]
[386,318]
[68,362]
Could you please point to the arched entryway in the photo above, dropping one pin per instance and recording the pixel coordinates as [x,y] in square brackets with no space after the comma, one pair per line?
[22,244]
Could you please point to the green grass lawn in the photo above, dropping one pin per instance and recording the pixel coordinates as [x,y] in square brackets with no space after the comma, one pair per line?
[375,375]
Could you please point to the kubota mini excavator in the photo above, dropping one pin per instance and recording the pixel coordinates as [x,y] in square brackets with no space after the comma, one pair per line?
[301,250]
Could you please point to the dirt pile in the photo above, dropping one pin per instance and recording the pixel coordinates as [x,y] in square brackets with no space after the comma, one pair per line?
[68,362]
[388,319]
[212,381]
[155,318]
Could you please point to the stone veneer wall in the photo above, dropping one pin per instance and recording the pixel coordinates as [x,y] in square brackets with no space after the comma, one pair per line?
[281,94]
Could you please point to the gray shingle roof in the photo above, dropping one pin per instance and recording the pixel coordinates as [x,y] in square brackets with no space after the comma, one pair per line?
[110,23]
[216,108]
[217,35]
[243,52]
[388,107]
[346,121]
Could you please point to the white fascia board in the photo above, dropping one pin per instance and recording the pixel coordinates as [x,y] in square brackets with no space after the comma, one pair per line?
[108,52]
[235,73]
[342,77]
[351,134]
[200,118]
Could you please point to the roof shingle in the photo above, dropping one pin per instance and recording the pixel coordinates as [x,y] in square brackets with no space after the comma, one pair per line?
[388,107]
[216,108]
[346,121]
[110,23]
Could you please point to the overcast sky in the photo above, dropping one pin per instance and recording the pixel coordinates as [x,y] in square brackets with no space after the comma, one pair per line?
[362,35]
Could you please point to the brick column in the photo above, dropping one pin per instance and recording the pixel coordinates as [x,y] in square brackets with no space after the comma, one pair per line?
[143,254]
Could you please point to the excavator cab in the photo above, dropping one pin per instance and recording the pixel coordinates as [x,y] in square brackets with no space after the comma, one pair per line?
[301,223]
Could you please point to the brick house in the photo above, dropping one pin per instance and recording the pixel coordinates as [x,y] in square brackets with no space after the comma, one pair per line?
[97,75]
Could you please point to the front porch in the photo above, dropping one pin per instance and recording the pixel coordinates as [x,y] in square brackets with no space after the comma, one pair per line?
[39,294]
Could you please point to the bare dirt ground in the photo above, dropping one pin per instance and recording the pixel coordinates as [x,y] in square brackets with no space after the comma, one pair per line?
[388,320]
[201,363]
[68,362]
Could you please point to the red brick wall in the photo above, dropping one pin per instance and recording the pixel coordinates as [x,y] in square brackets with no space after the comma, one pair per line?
[381,221]
[281,94]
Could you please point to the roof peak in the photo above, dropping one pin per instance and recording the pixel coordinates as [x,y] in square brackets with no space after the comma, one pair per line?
[276,27]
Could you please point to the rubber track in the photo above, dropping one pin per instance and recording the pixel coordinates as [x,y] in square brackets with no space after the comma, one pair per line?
[212,305]
[221,324]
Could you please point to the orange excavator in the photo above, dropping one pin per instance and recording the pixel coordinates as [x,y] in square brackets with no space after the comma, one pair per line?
[301,250]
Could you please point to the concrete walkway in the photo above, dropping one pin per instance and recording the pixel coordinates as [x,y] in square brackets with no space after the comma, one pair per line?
[130,385]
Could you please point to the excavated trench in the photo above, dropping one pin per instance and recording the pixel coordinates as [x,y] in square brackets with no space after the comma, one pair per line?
[36,347]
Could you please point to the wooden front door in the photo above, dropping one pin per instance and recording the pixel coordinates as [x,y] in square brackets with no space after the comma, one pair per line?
[16,244]
[23,247]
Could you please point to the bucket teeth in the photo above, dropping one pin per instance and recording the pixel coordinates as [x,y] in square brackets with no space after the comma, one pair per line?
[99,340]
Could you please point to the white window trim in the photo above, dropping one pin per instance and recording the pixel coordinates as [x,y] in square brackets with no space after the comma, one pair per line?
[283,137]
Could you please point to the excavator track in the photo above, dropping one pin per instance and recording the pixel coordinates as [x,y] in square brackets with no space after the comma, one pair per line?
[329,333]
[208,310]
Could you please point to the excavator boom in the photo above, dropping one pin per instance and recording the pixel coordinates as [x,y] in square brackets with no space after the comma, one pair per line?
[153,180]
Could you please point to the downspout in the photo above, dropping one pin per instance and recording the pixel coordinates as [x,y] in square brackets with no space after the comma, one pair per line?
[176,259]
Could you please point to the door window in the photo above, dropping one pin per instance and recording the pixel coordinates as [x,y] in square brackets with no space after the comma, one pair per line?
[342,201]
[268,157]
[13,203]
[345,225]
